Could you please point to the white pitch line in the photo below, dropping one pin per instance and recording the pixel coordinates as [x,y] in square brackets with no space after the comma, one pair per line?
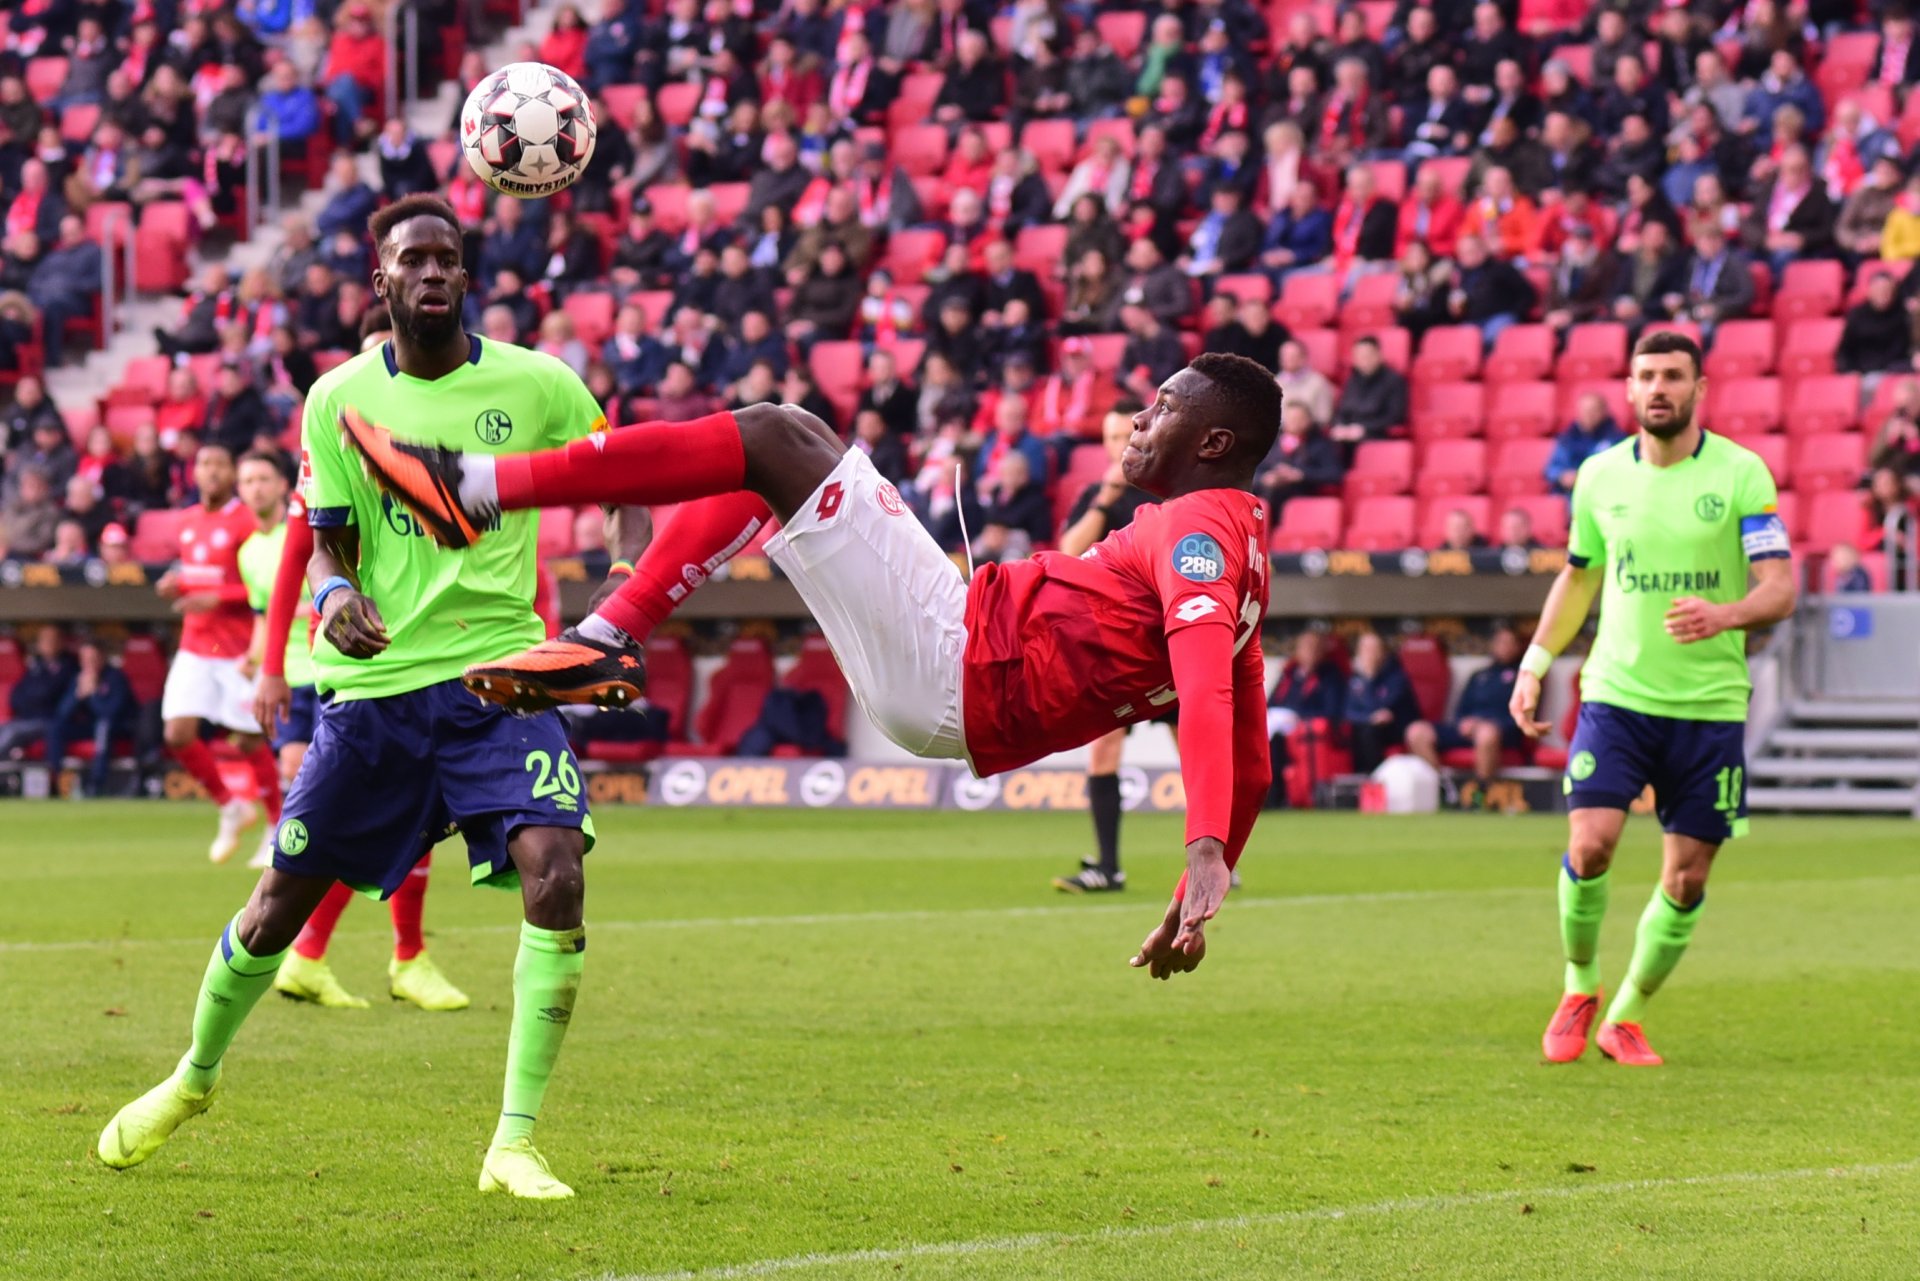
[1326,1214]
[911,915]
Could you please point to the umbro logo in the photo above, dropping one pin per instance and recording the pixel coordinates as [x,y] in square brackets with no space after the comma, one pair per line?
[556,1014]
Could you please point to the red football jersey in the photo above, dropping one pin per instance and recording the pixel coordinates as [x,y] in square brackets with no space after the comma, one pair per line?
[210,565]
[1062,649]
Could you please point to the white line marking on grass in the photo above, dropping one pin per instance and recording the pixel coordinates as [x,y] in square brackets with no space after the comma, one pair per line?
[1325,1214]
[911,915]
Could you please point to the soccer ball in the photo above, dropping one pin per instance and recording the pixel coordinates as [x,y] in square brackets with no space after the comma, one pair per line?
[528,130]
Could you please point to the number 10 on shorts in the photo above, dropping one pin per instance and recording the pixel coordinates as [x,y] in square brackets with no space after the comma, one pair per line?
[1732,782]
[560,781]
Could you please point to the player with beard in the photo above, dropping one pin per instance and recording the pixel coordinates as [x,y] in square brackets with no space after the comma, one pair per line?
[1668,528]
[401,752]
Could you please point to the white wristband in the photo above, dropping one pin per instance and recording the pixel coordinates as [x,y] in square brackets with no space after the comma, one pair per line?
[1537,661]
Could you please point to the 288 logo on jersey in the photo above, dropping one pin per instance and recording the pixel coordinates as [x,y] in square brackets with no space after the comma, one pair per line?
[1198,559]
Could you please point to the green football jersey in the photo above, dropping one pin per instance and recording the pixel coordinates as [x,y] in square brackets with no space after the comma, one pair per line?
[1662,533]
[443,609]
[259,566]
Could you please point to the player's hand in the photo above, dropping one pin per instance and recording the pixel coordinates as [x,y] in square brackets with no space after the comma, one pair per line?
[1691,620]
[249,666]
[199,604]
[1208,879]
[353,625]
[1159,957]
[1525,704]
[272,702]
[167,585]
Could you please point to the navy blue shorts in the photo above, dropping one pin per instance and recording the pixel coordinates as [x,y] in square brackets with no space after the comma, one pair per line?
[387,777]
[1697,769]
[303,706]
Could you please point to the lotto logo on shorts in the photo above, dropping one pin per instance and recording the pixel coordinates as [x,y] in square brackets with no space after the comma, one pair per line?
[1198,559]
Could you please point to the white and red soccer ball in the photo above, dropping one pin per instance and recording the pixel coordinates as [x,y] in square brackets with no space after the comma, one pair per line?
[528,130]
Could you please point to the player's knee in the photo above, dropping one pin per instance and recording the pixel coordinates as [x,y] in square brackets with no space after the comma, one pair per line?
[1420,738]
[179,734]
[1590,852]
[553,883]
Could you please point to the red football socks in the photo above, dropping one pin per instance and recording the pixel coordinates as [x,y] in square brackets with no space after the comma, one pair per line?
[698,539]
[409,904]
[318,931]
[197,759]
[266,777]
[647,464]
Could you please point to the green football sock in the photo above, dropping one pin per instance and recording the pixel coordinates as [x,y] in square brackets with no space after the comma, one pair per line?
[546,978]
[1583,905]
[1659,943]
[235,980]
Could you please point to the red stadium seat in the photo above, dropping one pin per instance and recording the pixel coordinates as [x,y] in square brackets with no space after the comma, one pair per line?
[145,666]
[124,420]
[920,149]
[734,697]
[1452,467]
[1449,353]
[1594,351]
[1308,301]
[1121,32]
[819,671]
[1814,287]
[1434,511]
[838,368]
[1249,287]
[1772,451]
[77,122]
[619,102]
[1370,306]
[911,252]
[1323,348]
[1522,353]
[592,313]
[1106,350]
[1845,64]
[676,102]
[669,201]
[1807,347]
[729,200]
[1396,348]
[44,78]
[1741,349]
[1380,467]
[1307,524]
[907,353]
[147,374]
[1051,142]
[656,303]
[1119,128]
[156,537]
[1867,272]
[1520,468]
[1443,411]
[1424,659]
[1381,525]
[12,667]
[1578,57]
[1452,170]
[1040,249]
[1390,183]
[1522,409]
[1829,460]
[1824,403]
[1548,513]
[1833,516]
[1744,406]
[1885,395]
[1790,515]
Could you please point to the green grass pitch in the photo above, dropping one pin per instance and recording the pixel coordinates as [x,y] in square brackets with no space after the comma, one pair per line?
[819,1045]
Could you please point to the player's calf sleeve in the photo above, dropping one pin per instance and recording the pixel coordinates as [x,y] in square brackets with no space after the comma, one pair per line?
[266,777]
[197,759]
[314,936]
[698,539]
[234,981]
[546,978]
[1583,905]
[1658,944]
[1103,799]
[408,905]
[650,463]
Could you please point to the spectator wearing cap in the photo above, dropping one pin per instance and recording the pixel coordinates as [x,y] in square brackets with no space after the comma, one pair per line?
[1487,292]
[1783,85]
[1299,235]
[356,72]
[1581,280]
[1863,218]
[1877,336]
[883,192]
[1373,402]
[1226,240]
[1791,216]
[1301,384]
[1591,431]
[1152,353]
[1302,463]
[1072,401]
[1719,282]
[116,544]
[1245,328]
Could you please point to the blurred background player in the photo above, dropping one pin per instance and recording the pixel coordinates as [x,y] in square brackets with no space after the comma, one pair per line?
[1666,527]
[1104,506]
[399,748]
[285,703]
[208,681]
[1052,652]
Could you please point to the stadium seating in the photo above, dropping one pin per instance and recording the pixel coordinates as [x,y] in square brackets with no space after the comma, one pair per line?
[1425,660]
[1309,523]
[1380,467]
[1522,353]
[1381,524]
[733,700]
[817,670]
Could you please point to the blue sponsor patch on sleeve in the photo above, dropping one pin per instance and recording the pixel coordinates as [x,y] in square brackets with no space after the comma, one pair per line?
[1198,559]
[1764,536]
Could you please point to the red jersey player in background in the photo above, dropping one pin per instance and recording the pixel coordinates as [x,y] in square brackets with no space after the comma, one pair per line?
[1032,657]
[209,680]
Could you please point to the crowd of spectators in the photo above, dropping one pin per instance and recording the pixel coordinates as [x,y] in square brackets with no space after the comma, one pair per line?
[775,182]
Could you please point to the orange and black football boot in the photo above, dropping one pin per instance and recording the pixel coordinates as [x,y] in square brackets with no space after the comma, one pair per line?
[423,478]
[570,668]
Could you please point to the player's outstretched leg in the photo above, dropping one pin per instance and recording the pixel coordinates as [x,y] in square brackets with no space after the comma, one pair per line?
[238,974]
[546,979]
[304,974]
[411,974]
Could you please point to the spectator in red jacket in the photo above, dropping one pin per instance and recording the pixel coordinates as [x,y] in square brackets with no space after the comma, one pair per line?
[356,73]
[1431,215]
[566,44]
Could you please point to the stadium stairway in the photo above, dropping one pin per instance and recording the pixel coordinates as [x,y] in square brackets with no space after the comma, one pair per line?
[86,382]
[1857,756]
